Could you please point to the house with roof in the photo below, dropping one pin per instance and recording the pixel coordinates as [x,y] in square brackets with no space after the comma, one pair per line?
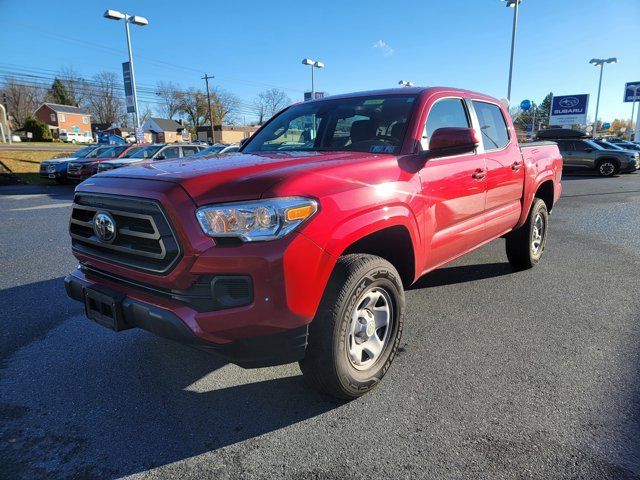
[64,118]
[165,130]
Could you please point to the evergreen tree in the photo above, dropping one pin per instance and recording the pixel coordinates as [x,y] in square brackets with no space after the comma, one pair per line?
[59,94]
[542,115]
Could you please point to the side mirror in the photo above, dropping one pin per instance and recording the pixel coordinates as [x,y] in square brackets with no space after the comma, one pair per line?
[161,157]
[448,141]
[243,141]
[588,149]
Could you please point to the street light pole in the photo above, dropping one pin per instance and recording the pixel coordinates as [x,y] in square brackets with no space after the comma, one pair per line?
[313,64]
[514,4]
[599,62]
[137,20]
[133,75]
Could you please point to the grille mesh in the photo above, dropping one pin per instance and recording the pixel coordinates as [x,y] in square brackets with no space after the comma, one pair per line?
[144,239]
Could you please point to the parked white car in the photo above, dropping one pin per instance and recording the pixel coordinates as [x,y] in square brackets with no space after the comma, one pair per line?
[76,137]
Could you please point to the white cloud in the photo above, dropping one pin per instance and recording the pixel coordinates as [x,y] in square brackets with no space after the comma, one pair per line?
[385,48]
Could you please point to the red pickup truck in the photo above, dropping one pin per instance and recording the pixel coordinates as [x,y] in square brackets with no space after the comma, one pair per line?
[300,246]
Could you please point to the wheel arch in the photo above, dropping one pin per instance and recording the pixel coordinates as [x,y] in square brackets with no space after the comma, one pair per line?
[545,192]
[394,244]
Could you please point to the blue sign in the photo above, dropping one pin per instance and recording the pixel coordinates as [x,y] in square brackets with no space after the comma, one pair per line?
[525,105]
[128,87]
[632,91]
[569,110]
[606,126]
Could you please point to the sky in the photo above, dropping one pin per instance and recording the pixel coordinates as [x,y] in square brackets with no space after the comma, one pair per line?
[250,46]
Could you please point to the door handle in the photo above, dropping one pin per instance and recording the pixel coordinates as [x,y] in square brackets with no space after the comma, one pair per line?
[479,174]
[516,166]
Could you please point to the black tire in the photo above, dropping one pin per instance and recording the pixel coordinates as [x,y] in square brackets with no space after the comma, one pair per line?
[607,167]
[327,365]
[521,249]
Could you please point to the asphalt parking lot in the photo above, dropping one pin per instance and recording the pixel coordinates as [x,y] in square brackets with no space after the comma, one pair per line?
[501,374]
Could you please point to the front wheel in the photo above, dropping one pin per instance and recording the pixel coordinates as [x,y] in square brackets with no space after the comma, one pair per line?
[525,245]
[355,334]
[608,168]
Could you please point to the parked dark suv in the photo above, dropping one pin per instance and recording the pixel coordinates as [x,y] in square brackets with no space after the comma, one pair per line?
[582,154]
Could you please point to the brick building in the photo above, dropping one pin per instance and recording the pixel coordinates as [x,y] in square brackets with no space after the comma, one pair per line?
[159,130]
[64,118]
[225,133]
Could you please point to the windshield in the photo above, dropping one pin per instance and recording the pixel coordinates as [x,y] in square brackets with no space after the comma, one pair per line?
[373,124]
[112,152]
[132,151]
[97,151]
[83,152]
[147,152]
[608,145]
[211,150]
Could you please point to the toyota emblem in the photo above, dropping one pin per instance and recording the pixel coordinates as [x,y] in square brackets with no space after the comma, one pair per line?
[104,227]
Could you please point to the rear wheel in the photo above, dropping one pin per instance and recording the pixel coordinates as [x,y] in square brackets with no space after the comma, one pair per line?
[355,334]
[525,245]
[607,168]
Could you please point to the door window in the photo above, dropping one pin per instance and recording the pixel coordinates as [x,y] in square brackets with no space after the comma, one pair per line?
[186,151]
[566,145]
[492,125]
[449,112]
[171,152]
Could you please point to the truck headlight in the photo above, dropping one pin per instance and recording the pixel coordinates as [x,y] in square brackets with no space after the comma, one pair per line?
[256,220]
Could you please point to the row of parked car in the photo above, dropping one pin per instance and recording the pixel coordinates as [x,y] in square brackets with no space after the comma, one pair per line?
[98,158]
[606,157]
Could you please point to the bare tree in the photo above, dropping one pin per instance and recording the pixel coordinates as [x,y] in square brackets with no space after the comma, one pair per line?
[193,104]
[22,100]
[76,86]
[224,106]
[169,93]
[105,100]
[269,102]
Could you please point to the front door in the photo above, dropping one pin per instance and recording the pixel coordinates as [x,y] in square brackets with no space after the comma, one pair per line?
[454,189]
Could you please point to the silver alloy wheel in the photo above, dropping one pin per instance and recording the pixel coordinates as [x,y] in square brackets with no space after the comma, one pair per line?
[607,168]
[370,328]
[538,234]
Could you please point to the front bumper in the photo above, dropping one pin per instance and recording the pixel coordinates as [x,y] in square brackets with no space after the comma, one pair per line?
[170,322]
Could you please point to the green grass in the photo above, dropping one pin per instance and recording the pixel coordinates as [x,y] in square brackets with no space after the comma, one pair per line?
[26,165]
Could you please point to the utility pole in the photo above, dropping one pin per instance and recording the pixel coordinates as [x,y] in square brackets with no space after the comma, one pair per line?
[206,80]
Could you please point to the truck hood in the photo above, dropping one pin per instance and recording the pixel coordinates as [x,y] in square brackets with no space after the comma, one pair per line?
[235,176]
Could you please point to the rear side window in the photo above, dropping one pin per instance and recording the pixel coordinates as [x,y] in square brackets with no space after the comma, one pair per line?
[186,151]
[565,145]
[449,112]
[492,125]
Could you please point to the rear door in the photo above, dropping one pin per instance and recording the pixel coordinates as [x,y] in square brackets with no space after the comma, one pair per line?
[505,172]
[454,188]
[568,151]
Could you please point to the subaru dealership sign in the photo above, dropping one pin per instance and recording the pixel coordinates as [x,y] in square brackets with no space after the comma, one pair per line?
[632,91]
[569,110]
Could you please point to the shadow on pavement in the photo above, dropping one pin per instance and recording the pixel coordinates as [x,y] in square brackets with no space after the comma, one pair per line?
[462,274]
[29,312]
[80,401]
[56,192]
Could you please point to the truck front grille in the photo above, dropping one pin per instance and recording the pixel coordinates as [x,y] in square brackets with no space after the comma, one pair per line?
[144,239]
[74,168]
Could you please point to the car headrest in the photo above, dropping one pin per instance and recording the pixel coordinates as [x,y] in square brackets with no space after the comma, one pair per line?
[363,130]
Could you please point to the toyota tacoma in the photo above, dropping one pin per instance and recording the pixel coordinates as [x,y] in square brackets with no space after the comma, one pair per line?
[300,246]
